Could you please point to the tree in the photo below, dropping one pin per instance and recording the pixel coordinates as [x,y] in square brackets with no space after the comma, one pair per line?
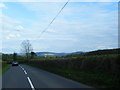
[26,48]
[33,54]
[14,56]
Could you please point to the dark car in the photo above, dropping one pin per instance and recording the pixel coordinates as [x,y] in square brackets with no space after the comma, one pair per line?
[14,63]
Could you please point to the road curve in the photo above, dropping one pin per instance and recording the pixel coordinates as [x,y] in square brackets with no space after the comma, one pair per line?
[24,76]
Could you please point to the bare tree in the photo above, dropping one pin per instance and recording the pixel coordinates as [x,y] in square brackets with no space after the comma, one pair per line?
[26,48]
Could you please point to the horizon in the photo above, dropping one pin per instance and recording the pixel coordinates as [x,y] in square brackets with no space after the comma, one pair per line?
[66,52]
[81,26]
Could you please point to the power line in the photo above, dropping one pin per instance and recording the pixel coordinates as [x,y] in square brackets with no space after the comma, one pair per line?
[44,30]
[53,19]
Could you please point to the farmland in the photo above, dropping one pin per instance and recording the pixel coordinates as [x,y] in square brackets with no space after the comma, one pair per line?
[97,68]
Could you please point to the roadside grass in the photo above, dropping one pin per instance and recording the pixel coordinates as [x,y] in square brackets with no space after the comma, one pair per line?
[3,68]
[0,68]
[92,78]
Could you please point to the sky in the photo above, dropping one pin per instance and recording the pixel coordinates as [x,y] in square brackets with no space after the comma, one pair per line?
[81,26]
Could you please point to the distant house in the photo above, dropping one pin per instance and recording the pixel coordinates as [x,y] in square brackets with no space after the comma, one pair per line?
[49,55]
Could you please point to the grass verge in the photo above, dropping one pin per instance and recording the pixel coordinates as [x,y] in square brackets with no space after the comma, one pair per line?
[4,68]
[92,78]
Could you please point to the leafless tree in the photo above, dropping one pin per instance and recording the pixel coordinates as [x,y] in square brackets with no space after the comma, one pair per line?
[26,48]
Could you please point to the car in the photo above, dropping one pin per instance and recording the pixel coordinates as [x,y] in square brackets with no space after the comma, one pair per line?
[14,63]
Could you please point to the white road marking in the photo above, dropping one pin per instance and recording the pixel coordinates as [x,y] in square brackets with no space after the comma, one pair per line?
[22,67]
[28,78]
[31,83]
[25,72]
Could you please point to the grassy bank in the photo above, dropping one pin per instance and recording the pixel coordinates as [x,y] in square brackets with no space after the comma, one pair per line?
[3,68]
[92,78]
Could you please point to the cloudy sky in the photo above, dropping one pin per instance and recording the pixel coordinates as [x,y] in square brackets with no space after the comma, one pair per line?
[81,26]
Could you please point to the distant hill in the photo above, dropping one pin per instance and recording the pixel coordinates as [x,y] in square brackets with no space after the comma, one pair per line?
[79,52]
[104,52]
[99,52]
[55,54]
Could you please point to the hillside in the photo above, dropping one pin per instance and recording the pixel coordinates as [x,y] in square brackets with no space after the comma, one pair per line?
[55,54]
[99,52]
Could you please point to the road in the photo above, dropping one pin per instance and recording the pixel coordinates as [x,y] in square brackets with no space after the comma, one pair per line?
[24,76]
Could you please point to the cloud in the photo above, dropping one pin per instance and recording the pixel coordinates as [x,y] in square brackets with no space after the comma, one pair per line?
[7,23]
[44,9]
[19,28]
[7,19]
[78,23]
[104,47]
[80,26]
[2,5]
[11,36]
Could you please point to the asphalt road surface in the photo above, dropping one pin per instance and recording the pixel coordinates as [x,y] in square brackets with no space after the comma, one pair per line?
[24,76]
